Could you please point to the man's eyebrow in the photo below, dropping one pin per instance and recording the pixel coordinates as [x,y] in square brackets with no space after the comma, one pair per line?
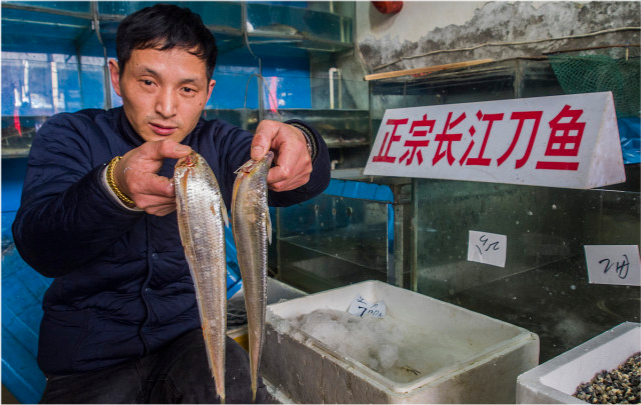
[147,70]
[188,80]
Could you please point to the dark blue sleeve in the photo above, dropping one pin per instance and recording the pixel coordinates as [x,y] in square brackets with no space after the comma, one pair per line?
[319,178]
[66,217]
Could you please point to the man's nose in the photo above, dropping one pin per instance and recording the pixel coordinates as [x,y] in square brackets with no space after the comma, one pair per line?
[166,103]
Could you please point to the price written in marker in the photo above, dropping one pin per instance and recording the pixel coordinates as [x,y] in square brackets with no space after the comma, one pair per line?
[488,248]
[362,307]
[613,264]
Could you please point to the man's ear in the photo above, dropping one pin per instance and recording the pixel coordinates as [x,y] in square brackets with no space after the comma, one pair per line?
[114,73]
[212,83]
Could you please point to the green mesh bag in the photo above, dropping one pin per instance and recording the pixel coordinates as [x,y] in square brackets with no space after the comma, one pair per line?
[611,70]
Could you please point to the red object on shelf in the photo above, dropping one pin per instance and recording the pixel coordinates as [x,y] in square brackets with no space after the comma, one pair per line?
[388,7]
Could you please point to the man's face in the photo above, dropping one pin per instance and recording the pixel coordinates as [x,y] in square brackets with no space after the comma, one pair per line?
[163,92]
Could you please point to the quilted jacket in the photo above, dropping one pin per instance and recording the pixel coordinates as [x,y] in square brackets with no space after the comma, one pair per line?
[122,286]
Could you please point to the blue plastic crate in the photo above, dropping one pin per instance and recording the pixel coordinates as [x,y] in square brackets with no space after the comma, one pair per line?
[22,291]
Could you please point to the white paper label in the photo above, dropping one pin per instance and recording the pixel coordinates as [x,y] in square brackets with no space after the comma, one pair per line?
[613,264]
[487,248]
[361,307]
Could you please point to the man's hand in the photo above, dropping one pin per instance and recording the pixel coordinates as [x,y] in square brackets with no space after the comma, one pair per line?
[136,175]
[292,162]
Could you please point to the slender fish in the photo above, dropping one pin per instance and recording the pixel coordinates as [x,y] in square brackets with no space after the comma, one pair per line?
[252,230]
[201,220]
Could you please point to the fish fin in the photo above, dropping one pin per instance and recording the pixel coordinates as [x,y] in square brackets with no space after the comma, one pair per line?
[268,226]
[235,188]
[223,211]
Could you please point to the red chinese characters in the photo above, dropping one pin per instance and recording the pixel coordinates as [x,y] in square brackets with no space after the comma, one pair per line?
[480,160]
[448,138]
[522,116]
[383,153]
[505,130]
[413,144]
[565,139]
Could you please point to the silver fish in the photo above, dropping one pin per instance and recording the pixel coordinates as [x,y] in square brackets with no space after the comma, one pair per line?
[201,220]
[252,230]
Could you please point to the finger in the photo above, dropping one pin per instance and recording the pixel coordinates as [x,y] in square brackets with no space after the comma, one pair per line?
[290,184]
[136,172]
[282,182]
[286,162]
[165,149]
[292,163]
[154,203]
[262,142]
[165,210]
[278,174]
[161,186]
[161,210]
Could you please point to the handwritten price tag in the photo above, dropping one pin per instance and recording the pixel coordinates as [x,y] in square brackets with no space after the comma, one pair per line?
[488,248]
[613,264]
[361,307]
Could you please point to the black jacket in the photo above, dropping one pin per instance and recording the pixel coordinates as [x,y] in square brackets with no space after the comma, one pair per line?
[122,287]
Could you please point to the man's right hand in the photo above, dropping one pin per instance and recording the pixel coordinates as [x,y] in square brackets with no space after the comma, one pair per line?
[136,175]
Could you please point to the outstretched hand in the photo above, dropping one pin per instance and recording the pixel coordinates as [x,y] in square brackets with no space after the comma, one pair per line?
[136,175]
[292,162]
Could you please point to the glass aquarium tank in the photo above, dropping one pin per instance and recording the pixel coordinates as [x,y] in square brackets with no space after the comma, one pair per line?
[276,60]
[515,78]
[335,106]
[36,86]
[357,230]
[543,285]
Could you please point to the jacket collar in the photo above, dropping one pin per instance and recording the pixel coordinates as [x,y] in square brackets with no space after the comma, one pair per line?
[126,129]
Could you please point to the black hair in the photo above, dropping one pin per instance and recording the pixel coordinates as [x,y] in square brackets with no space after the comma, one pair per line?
[163,27]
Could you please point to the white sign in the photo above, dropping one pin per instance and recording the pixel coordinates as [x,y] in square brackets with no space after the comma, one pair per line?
[613,264]
[488,248]
[561,141]
[361,307]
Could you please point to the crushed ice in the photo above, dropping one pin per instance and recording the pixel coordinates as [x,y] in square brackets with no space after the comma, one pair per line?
[389,347]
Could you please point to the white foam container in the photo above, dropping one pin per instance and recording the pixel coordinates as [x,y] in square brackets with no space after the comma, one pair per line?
[308,371]
[554,381]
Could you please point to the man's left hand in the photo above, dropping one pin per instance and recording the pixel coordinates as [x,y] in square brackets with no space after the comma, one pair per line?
[292,162]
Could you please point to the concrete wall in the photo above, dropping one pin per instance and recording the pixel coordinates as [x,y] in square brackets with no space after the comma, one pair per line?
[428,26]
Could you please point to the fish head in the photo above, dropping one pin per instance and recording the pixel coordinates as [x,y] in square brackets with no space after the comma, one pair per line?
[191,160]
[269,158]
[186,167]
[254,165]
[253,171]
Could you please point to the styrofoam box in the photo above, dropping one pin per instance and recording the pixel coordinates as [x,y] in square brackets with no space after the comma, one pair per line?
[554,381]
[308,371]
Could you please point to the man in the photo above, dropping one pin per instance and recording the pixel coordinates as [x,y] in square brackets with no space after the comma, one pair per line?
[98,213]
